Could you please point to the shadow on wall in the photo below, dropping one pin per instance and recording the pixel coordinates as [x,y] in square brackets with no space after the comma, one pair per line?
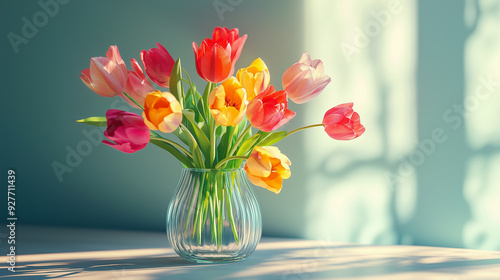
[416,176]
[441,210]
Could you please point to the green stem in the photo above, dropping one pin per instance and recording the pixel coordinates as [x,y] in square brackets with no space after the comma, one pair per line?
[230,208]
[213,128]
[133,100]
[222,162]
[206,94]
[173,144]
[302,128]
[190,83]
[229,140]
[196,147]
[237,143]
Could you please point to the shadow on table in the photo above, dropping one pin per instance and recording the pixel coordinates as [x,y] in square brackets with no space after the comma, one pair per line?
[272,260]
[118,268]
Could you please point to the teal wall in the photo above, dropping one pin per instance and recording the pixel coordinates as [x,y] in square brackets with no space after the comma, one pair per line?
[429,57]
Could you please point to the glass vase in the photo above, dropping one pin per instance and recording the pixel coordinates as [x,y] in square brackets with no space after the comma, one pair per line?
[214,216]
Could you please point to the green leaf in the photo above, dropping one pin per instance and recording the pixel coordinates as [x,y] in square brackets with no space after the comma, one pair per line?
[271,138]
[204,127]
[95,121]
[181,135]
[201,109]
[242,125]
[194,148]
[174,151]
[220,130]
[248,145]
[189,101]
[201,137]
[175,84]
[223,143]
[206,94]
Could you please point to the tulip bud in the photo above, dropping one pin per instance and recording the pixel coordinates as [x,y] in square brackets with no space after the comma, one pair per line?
[342,123]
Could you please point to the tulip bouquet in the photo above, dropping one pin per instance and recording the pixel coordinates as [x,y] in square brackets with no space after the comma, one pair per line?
[235,119]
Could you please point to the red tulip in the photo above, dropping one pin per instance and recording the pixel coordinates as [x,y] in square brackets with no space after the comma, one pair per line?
[342,123]
[269,110]
[127,130]
[305,79]
[216,57]
[158,65]
[106,76]
[138,86]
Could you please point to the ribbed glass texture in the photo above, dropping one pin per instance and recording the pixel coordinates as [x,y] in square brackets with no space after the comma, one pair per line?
[214,216]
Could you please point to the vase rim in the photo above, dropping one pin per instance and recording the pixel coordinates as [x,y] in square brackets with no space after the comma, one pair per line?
[213,169]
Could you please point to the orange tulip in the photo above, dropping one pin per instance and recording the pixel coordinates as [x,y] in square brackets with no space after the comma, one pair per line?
[228,103]
[162,111]
[255,78]
[267,167]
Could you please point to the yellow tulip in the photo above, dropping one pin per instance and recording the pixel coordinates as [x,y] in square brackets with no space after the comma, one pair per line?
[267,167]
[162,111]
[255,78]
[228,103]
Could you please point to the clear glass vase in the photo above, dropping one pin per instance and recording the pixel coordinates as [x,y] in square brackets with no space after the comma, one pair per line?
[214,216]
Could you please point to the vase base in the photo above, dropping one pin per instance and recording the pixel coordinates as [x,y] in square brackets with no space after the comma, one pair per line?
[214,258]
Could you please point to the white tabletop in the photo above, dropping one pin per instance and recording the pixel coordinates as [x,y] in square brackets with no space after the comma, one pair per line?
[70,253]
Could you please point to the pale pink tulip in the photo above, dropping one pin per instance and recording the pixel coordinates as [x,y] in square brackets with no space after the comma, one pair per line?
[107,76]
[305,79]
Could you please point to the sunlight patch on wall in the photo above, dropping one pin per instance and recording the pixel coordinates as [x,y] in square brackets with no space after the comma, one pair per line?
[483,195]
[480,113]
[369,50]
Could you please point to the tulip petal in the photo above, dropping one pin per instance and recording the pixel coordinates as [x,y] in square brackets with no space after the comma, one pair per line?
[216,57]
[286,117]
[260,165]
[305,79]
[267,167]
[342,123]
[127,130]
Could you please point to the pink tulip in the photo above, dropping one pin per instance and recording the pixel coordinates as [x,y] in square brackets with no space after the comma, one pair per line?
[342,123]
[268,111]
[106,76]
[158,65]
[138,86]
[127,130]
[305,79]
